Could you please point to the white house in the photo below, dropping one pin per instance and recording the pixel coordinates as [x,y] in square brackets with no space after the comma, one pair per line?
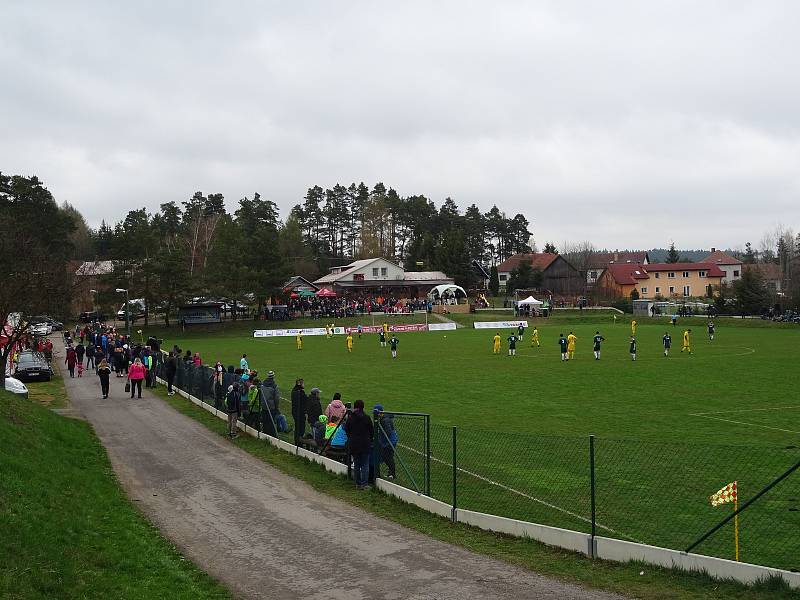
[379,274]
[732,267]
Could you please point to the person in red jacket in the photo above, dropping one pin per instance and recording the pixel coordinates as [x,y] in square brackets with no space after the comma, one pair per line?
[136,374]
[71,360]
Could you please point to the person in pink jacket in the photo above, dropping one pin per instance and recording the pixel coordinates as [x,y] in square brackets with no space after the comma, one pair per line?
[136,374]
[196,360]
[336,408]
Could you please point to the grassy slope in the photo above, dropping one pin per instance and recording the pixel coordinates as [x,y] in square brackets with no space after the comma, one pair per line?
[66,528]
[656,463]
[633,579]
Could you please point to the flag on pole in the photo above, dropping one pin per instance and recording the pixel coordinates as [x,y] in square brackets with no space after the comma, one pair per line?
[726,495]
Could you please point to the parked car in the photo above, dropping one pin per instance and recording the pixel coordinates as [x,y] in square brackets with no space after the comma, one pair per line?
[56,325]
[90,316]
[15,386]
[136,308]
[33,366]
[41,329]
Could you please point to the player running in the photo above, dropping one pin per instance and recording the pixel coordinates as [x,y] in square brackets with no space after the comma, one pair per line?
[535,337]
[520,331]
[687,341]
[667,342]
[633,327]
[632,348]
[512,345]
[598,339]
[571,340]
[711,331]
[382,338]
[393,343]
[496,343]
[298,340]
[349,339]
[562,341]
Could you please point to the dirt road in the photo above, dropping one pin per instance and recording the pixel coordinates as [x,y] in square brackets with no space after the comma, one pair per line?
[267,535]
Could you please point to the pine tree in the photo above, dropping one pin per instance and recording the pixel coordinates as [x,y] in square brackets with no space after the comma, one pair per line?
[494,281]
[673,256]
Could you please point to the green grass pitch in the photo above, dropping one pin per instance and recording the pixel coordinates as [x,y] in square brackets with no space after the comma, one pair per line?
[669,431]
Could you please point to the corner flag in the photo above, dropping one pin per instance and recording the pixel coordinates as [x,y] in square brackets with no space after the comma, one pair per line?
[729,495]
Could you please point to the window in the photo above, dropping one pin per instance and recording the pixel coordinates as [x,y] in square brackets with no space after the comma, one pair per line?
[671,275]
[658,275]
[671,289]
[358,277]
[644,291]
[383,271]
[593,274]
[686,291]
[658,290]
[503,277]
[736,273]
[685,274]
[375,272]
[702,273]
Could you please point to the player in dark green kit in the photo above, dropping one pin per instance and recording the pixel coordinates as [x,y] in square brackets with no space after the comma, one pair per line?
[512,345]
[562,341]
[382,338]
[633,348]
[667,341]
[597,340]
[393,344]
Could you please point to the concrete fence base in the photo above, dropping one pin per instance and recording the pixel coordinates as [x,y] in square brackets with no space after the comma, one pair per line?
[597,547]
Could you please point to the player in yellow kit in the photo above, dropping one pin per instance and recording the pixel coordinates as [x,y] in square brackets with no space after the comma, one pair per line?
[535,337]
[349,341]
[298,339]
[496,343]
[571,339]
[687,341]
[633,327]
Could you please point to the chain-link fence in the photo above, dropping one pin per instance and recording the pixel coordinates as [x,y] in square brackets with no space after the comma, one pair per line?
[648,492]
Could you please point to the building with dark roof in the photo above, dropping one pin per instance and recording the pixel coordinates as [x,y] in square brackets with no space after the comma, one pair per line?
[559,277]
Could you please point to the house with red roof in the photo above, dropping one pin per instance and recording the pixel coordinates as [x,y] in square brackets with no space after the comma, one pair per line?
[598,262]
[559,277]
[730,265]
[660,280]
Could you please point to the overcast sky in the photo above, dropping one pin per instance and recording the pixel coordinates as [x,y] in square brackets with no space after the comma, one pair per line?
[629,124]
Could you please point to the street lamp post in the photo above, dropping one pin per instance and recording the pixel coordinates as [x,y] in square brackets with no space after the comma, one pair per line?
[94,300]
[127,309]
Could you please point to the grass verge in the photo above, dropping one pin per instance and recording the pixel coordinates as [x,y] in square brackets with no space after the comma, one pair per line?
[66,528]
[633,579]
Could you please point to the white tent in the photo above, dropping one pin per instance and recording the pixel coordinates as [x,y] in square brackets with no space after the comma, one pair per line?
[530,301]
[447,289]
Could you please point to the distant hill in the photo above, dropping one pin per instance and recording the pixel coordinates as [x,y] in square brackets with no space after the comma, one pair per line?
[659,255]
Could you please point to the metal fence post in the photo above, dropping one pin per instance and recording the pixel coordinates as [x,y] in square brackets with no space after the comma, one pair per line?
[455,473]
[428,455]
[592,484]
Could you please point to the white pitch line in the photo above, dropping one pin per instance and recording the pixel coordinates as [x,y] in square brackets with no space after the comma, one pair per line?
[524,495]
[727,412]
[748,424]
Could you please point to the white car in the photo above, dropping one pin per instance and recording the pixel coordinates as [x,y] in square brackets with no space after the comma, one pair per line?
[15,386]
[41,329]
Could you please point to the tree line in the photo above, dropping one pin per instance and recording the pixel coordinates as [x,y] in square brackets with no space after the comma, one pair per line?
[196,248]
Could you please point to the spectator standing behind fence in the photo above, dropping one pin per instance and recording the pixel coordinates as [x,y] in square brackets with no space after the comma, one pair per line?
[360,434]
[232,400]
[136,375]
[270,403]
[170,368]
[299,399]
[104,373]
[336,408]
[313,407]
[387,440]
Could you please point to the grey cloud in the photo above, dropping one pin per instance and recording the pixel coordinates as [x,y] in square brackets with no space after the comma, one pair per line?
[596,121]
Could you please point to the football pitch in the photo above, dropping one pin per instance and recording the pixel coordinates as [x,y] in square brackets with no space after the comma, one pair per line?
[668,431]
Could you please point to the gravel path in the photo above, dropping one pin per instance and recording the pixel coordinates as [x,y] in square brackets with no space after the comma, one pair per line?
[267,535]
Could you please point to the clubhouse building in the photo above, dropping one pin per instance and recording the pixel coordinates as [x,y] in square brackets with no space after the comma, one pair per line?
[381,276]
